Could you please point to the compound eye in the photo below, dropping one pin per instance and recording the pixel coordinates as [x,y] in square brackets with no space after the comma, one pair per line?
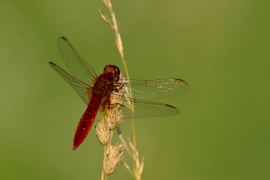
[106,68]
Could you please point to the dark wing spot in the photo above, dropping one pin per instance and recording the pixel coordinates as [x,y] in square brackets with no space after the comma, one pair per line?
[65,39]
[179,80]
[170,106]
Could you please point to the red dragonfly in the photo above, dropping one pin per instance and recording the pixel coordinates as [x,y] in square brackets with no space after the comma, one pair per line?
[96,91]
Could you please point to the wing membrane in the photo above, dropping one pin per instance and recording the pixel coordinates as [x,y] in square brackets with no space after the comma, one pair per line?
[158,89]
[79,86]
[144,109]
[78,67]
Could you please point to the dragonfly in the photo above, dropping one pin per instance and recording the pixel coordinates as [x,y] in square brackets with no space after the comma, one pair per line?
[97,91]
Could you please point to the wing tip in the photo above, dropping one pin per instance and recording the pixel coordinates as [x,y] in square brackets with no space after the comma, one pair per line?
[183,82]
[62,38]
[172,107]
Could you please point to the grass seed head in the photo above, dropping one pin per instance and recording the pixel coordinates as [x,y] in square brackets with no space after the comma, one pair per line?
[103,133]
[114,155]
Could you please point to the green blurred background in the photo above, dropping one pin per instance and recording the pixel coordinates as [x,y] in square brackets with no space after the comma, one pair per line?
[221,48]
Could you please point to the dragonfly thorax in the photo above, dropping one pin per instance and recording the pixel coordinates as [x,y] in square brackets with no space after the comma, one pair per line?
[104,85]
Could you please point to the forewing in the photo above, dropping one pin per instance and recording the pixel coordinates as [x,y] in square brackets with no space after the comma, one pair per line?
[157,89]
[79,86]
[144,109]
[78,67]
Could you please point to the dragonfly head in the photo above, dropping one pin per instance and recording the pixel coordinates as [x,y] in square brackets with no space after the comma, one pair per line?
[114,70]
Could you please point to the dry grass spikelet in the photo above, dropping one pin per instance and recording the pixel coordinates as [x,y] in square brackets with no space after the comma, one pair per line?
[114,155]
[103,133]
[114,118]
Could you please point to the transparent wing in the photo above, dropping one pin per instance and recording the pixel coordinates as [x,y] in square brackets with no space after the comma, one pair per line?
[78,67]
[79,86]
[144,109]
[157,89]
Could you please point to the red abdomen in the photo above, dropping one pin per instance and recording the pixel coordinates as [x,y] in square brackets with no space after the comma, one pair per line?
[86,121]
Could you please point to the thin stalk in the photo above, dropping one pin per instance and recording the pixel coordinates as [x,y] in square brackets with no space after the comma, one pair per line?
[114,25]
